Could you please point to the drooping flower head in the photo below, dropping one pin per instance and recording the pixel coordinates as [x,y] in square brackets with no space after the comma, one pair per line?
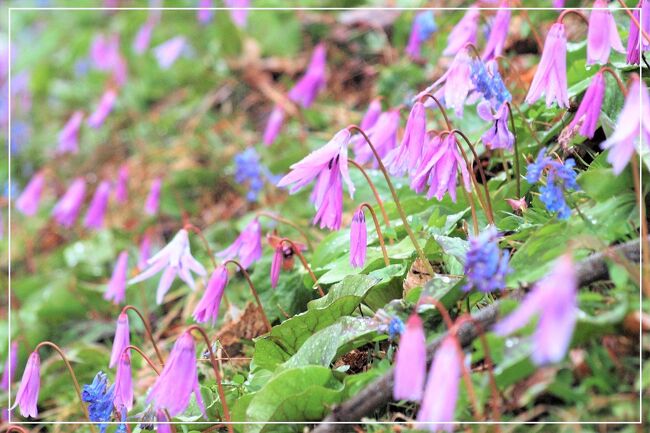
[554,300]
[247,248]
[143,37]
[307,88]
[276,265]
[410,361]
[28,201]
[162,418]
[121,340]
[371,115]
[11,364]
[602,35]
[100,398]
[634,45]
[168,52]
[144,252]
[498,32]
[207,310]
[560,177]
[122,186]
[550,77]
[424,25]
[67,208]
[464,32]
[116,290]
[383,135]
[589,110]
[407,155]
[486,266]
[358,239]
[105,51]
[69,135]
[498,136]
[123,383]
[634,120]
[204,14]
[30,384]
[98,204]
[455,84]
[178,380]
[273,125]
[103,109]
[239,11]
[152,202]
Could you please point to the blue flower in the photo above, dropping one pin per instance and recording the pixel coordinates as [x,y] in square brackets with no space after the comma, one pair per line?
[488,82]
[559,178]
[486,266]
[395,327]
[248,169]
[100,397]
[426,25]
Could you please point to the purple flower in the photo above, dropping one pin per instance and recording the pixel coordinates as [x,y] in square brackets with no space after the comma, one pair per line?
[498,136]
[550,77]
[372,115]
[559,4]
[167,52]
[239,15]
[69,135]
[123,383]
[602,35]
[328,165]
[441,392]
[176,260]
[122,339]
[633,121]
[589,110]
[97,209]
[554,300]
[273,125]
[10,366]
[28,201]
[204,15]
[103,109]
[105,51]
[162,428]
[464,32]
[276,265]
[407,155]
[178,380]
[498,33]
[441,169]
[122,187]
[144,251]
[208,307]
[456,83]
[67,208]
[116,290]
[633,46]
[306,89]
[247,248]
[486,266]
[143,37]
[410,361]
[153,199]
[358,239]
[424,25]
[27,395]
[383,135]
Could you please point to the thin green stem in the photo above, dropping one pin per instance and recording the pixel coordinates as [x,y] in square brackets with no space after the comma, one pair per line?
[516,149]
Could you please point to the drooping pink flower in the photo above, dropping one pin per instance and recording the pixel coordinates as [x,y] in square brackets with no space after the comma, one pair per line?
[30,384]
[554,300]
[498,136]
[69,135]
[358,239]
[602,34]
[167,52]
[207,310]
[517,204]
[153,199]
[144,251]
[247,248]
[105,51]
[589,110]
[273,125]
[143,37]
[116,290]
[122,186]
[103,109]
[98,204]
[410,361]
[178,380]
[634,47]
[28,201]
[423,26]
[11,364]
[162,418]
[383,135]
[66,210]
[498,33]
[123,391]
[407,155]
[455,84]
[464,32]
[634,120]
[205,14]
[550,77]
[276,266]
[307,88]
[441,392]
[121,340]
[239,11]
[176,260]
[368,121]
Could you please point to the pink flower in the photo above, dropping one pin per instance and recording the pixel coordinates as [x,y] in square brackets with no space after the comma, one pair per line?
[167,52]
[407,155]
[634,120]
[273,125]
[498,136]
[633,46]
[116,290]
[410,361]
[178,380]
[28,201]
[69,135]
[383,135]
[204,15]
[122,187]
[602,35]
[276,265]
[122,339]
[67,208]
[239,14]
[372,115]
[162,428]
[589,110]
[456,83]
[97,209]
[143,37]
[517,204]
[358,239]
[550,77]
[144,251]
[103,109]
[27,395]
[554,300]
[464,32]
[10,366]
[208,307]
[105,51]
[247,248]
[423,26]
[498,33]
[153,199]
[307,88]
[123,391]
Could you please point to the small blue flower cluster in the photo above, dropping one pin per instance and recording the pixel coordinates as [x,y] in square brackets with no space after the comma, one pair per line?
[426,25]
[249,169]
[486,266]
[489,83]
[395,327]
[559,178]
[100,397]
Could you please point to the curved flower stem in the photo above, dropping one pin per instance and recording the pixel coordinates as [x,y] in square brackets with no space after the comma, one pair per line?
[16,428]
[644,226]
[73,376]
[380,203]
[472,206]
[147,329]
[217,374]
[576,12]
[402,214]
[634,20]
[378,230]
[611,72]
[516,149]
[195,229]
[253,291]
[481,172]
[440,107]
[302,259]
[282,220]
